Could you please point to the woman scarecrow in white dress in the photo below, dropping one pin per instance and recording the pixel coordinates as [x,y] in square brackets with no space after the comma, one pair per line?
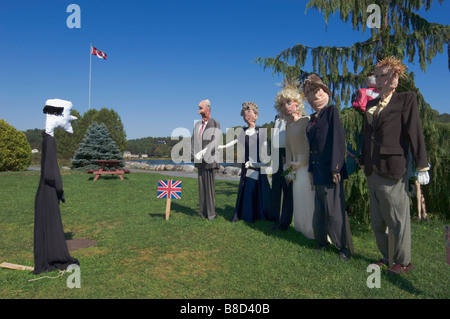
[288,103]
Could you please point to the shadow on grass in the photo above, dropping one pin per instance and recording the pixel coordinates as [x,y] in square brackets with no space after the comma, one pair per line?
[403,283]
[183,209]
[227,188]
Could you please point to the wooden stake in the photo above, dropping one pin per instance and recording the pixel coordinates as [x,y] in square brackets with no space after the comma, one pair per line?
[168,200]
[168,208]
[419,200]
[16,267]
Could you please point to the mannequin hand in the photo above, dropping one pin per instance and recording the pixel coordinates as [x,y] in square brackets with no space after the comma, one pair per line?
[423,178]
[199,155]
[248,164]
[336,177]
[61,197]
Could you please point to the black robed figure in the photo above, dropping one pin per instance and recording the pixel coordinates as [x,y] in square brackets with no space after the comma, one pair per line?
[50,247]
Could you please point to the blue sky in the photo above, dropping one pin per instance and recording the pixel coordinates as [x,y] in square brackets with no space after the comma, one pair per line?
[164,56]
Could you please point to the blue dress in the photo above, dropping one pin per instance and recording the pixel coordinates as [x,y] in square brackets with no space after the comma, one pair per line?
[253,199]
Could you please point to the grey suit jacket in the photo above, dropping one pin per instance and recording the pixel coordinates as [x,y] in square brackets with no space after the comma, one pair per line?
[210,139]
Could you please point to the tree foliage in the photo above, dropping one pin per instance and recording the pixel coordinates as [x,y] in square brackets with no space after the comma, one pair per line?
[15,151]
[402,33]
[96,145]
[152,146]
[108,117]
[67,143]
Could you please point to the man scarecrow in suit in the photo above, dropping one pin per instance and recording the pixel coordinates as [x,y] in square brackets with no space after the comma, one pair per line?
[205,139]
[327,167]
[392,127]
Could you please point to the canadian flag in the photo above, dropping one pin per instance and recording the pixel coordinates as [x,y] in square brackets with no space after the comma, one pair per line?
[98,53]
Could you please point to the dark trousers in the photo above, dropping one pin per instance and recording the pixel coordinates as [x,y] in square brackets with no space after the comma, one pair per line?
[329,215]
[206,201]
[282,212]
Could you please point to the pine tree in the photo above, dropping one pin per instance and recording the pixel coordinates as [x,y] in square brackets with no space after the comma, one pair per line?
[402,33]
[97,145]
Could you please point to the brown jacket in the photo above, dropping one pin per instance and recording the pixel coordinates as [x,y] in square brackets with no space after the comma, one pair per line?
[386,143]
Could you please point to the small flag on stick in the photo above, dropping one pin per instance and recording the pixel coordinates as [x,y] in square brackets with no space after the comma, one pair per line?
[169,189]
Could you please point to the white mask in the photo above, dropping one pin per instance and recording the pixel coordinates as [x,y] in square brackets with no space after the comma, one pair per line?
[60,119]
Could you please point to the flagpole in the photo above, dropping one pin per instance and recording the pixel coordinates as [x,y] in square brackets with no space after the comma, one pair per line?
[90,66]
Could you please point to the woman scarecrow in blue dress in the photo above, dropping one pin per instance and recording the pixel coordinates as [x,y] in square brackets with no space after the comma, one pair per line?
[253,199]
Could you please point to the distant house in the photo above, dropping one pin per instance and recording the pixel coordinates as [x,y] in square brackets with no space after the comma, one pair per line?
[161,142]
[144,156]
[126,154]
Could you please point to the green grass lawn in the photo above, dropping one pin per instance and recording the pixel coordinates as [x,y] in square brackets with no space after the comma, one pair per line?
[138,254]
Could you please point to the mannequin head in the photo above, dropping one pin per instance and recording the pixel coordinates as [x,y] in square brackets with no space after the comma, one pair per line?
[249,113]
[204,109]
[387,73]
[58,115]
[316,92]
[289,102]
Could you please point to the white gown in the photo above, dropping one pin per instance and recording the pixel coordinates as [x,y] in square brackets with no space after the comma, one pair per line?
[297,152]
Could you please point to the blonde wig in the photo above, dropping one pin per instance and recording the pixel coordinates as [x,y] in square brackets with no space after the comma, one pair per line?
[289,93]
[394,64]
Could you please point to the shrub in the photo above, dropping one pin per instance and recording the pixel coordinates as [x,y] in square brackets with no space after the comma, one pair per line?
[15,151]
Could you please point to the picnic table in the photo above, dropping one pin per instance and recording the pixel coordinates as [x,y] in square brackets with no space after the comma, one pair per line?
[102,170]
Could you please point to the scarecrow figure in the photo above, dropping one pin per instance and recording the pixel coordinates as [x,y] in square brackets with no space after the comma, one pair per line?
[50,247]
[392,128]
[289,104]
[327,168]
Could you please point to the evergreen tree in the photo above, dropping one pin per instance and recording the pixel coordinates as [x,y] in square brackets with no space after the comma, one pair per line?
[97,145]
[66,143]
[401,32]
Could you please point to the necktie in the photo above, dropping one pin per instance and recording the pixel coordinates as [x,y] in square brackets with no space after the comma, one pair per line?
[201,131]
[375,114]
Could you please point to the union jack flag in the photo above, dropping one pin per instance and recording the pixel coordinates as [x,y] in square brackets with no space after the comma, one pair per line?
[169,189]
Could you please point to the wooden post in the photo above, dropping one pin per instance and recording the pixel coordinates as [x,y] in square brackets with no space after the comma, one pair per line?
[168,200]
[168,208]
[15,266]
[419,200]
[391,248]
